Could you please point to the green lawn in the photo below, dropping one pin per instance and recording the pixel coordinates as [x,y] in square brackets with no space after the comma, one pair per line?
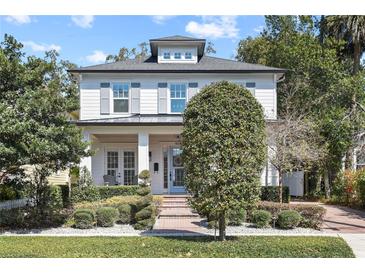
[152,247]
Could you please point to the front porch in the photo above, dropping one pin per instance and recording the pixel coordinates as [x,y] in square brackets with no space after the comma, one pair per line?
[122,153]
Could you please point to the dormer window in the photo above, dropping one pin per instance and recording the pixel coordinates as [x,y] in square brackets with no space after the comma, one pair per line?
[188,55]
[166,55]
[177,55]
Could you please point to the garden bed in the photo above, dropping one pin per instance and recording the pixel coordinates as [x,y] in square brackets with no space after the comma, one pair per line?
[183,247]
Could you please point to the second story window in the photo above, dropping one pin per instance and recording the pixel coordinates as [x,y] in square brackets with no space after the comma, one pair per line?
[188,55]
[177,55]
[120,97]
[177,97]
[166,55]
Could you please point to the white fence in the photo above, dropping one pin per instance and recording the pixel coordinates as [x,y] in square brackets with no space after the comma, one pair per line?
[14,203]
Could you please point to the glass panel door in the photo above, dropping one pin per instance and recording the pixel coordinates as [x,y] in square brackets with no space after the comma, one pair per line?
[112,164]
[176,171]
[129,164]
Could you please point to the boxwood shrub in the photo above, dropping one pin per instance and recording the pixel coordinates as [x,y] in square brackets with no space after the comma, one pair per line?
[110,191]
[84,218]
[271,194]
[312,215]
[106,216]
[261,218]
[143,191]
[125,216]
[288,219]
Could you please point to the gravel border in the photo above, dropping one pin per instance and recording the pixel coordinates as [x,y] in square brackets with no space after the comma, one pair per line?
[127,230]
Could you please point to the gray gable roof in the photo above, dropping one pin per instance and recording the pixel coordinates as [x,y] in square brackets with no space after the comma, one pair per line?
[177,38]
[206,64]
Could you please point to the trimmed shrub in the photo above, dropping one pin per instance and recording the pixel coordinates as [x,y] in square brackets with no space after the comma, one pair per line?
[143,191]
[312,215]
[236,217]
[106,216]
[144,224]
[145,213]
[125,214]
[143,202]
[271,194]
[111,191]
[361,187]
[288,219]
[12,217]
[261,218]
[89,211]
[83,220]
[145,176]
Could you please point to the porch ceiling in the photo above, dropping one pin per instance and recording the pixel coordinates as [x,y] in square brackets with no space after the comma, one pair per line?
[133,138]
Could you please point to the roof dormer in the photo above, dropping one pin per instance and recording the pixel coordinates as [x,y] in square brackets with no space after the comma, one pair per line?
[177,49]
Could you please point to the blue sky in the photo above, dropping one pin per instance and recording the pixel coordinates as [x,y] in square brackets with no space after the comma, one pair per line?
[86,40]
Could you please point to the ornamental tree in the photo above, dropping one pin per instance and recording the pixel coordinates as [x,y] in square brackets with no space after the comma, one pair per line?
[224,150]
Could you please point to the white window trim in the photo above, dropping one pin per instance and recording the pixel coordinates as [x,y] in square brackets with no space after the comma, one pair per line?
[169,95]
[166,52]
[112,96]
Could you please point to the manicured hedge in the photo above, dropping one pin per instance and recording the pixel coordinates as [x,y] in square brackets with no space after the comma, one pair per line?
[288,219]
[312,215]
[106,216]
[110,191]
[271,194]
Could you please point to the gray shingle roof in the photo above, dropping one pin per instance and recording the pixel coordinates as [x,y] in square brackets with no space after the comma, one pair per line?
[177,38]
[138,119]
[206,64]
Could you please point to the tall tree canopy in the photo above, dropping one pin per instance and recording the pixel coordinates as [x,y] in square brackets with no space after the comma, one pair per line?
[319,83]
[36,95]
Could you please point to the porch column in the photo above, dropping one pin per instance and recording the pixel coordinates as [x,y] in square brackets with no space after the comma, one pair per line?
[86,161]
[143,150]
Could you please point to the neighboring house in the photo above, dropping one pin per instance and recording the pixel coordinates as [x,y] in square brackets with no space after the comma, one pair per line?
[130,111]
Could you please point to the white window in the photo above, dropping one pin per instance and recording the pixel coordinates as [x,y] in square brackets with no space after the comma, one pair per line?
[251,86]
[177,55]
[120,97]
[188,55]
[166,55]
[177,97]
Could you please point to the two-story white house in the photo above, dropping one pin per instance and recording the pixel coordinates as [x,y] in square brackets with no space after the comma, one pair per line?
[131,110]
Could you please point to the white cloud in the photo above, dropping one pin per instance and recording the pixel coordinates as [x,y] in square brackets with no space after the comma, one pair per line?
[98,56]
[259,29]
[41,47]
[83,21]
[18,19]
[214,27]
[161,19]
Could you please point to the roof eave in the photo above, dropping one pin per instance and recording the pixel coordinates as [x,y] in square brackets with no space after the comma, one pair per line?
[177,71]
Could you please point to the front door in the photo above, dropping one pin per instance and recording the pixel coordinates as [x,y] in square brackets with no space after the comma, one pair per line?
[113,167]
[176,171]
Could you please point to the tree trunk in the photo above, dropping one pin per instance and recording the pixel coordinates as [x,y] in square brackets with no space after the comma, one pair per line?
[280,187]
[222,226]
[319,182]
[327,185]
[349,159]
[357,57]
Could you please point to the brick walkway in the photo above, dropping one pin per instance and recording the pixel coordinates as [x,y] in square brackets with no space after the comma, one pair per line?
[341,219]
[177,217]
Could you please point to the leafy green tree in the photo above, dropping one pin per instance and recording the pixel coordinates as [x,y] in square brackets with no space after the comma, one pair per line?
[36,95]
[317,83]
[126,54]
[224,149]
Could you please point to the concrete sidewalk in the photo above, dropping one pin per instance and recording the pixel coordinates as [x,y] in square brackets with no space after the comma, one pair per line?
[356,242]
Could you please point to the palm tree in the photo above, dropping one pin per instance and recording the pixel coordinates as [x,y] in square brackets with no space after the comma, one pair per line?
[352,29]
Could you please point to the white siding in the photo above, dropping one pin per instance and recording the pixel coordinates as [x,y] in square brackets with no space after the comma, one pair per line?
[90,90]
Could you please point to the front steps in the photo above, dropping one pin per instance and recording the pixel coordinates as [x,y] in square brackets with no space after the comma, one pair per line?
[176,216]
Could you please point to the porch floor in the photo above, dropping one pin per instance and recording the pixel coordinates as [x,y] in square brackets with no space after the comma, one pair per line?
[177,217]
